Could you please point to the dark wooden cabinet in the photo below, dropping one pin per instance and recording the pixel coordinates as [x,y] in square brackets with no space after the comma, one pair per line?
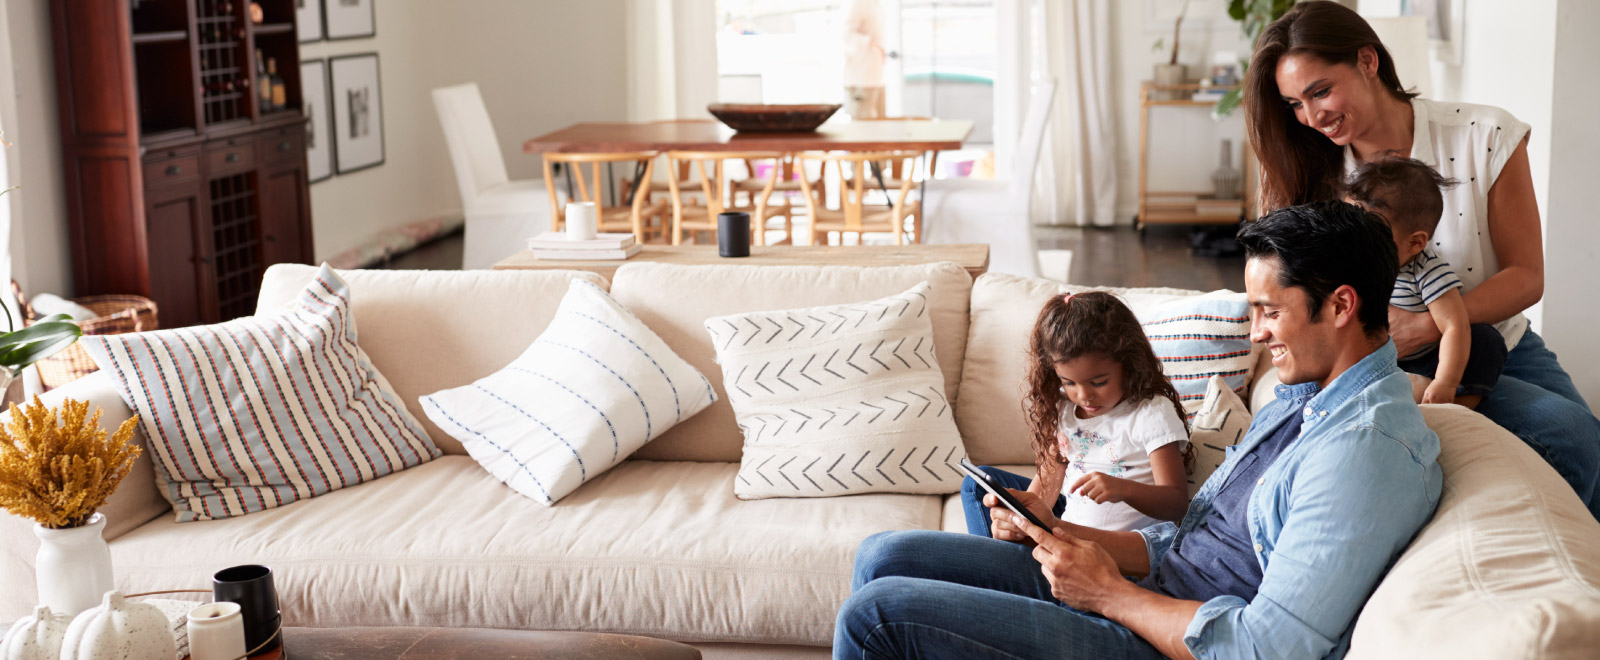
[181,186]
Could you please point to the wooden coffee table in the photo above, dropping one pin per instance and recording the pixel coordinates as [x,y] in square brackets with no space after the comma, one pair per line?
[469,643]
[974,257]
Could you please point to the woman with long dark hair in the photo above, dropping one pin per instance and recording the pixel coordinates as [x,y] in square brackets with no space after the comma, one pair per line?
[1321,98]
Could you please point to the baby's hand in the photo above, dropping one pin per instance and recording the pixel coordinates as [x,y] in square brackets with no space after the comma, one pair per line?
[1439,392]
[1100,487]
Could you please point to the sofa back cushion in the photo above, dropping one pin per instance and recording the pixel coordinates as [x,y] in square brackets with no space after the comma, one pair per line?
[1509,567]
[1004,307]
[432,330]
[675,302]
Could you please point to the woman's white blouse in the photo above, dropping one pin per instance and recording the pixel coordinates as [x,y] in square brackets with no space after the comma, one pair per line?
[1471,144]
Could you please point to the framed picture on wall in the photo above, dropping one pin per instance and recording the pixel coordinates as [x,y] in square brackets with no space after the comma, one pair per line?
[357,112]
[349,19]
[319,131]
[308,19]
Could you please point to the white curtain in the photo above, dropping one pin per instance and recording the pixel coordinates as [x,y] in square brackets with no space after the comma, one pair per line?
[672,59]
[1071,41]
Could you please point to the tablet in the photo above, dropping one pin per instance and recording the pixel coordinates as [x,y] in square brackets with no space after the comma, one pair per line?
[1010,501]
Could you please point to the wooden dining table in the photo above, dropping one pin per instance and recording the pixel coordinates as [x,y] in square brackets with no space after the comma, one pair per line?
[711,135]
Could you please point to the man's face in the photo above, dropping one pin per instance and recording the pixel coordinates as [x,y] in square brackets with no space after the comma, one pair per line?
[1303,350]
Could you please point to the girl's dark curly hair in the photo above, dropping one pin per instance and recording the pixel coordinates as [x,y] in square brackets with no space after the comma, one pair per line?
[1091,323]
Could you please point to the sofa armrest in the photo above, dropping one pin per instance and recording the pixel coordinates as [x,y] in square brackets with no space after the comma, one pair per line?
[136,501]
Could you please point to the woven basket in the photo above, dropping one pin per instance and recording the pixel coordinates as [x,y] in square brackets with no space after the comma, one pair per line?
[114,315]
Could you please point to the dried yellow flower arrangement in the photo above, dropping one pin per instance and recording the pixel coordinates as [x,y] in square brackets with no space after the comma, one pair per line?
[59,475]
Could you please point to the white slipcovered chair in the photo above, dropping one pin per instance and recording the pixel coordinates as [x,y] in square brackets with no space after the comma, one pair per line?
[500,214]
[995,212]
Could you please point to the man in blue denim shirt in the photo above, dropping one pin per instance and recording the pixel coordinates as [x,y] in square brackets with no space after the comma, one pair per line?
[1272,564]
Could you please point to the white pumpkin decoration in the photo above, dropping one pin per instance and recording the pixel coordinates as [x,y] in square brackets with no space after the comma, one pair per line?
[36,637]
[119,628]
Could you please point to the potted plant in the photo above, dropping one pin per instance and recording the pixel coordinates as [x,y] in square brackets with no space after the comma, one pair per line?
[20,348]
[1171,72]
[58,475]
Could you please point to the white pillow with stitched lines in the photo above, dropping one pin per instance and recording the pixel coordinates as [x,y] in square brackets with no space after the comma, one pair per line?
[595,386]
[839,400]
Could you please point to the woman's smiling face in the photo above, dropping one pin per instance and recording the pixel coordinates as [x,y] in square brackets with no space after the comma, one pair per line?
[1336,99]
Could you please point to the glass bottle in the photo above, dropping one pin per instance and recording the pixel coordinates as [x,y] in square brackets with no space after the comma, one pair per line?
[263,84]
[280,92]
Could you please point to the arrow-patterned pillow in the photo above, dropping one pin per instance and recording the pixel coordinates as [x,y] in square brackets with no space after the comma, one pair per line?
[839,400]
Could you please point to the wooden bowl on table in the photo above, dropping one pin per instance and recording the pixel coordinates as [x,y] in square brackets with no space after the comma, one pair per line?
[757,118]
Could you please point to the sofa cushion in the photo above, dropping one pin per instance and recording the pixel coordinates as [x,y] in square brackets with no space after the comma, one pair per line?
[1509,567]
[591,390]
[1199,338]
[1004,308]
[1220,423]
[648,548]
[430,330]
[265,410]
[839,399]
[675,302]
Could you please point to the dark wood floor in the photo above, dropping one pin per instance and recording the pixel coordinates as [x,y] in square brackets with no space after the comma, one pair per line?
[1115,257]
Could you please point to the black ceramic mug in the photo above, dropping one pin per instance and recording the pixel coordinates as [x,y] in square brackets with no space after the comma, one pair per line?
[251,587]
[733,234]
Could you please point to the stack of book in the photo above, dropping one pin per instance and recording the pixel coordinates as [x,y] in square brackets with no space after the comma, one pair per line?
[553,245]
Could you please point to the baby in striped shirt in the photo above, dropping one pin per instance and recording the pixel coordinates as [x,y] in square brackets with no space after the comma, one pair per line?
[1464,366]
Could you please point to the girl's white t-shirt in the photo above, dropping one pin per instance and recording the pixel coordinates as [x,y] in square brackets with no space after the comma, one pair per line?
[1117,443]
[1471,144]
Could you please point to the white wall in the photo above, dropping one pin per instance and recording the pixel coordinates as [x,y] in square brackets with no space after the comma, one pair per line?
[1536,59]
[41,261]
[1572,236]
[1184,142]
[541,66]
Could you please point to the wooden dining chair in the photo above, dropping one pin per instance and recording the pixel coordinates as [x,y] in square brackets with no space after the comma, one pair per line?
[640,215]
[787,185]
[895,171]
[901,217]
[717,195]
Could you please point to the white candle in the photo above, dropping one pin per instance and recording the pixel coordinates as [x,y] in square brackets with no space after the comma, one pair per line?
[216,632]
[582,219]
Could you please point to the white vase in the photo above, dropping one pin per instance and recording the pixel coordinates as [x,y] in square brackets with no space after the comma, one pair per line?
[73,566]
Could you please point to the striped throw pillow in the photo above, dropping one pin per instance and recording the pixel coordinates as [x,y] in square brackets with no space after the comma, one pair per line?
[1199,337]
[592,389]
[262,411]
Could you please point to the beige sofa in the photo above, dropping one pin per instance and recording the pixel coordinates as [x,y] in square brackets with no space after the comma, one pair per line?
[659,546]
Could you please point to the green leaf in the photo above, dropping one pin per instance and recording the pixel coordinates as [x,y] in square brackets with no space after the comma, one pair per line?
[34,352]
[40,332]
[1236,10]
[1227,104]
[53,317]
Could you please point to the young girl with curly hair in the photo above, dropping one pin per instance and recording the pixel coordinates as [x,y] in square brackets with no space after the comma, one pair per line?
[1105,422]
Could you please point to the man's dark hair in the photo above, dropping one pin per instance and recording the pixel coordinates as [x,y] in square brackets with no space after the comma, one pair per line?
[1322,246]
[1405,191]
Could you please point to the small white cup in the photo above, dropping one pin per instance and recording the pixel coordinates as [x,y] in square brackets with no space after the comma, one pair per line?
[582,218]
[216,632]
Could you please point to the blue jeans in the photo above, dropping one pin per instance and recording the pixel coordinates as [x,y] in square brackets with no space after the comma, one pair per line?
[1536,400]
[972,498]
[926,594]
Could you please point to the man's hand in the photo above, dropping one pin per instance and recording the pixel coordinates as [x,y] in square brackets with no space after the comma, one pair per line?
[1081,573]
[1411,330]
[1100,487]
[1000,517]
[1439,392]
